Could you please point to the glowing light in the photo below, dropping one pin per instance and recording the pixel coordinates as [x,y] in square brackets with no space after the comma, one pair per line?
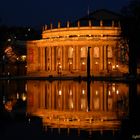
[113,88]
[9,39]
[83,63]
[113,67]
[29,120]
[96,62]
[59,92]
[17,95]
[70,92]
[24,97]
[83,91]
[26,87]
[96,92]
[117,92]
[4,100]
[23,57]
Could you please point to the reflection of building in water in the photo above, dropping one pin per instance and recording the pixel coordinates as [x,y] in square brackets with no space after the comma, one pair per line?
[63,50]
[66,102]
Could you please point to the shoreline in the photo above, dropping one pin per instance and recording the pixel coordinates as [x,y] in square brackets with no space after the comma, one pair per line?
[76,78]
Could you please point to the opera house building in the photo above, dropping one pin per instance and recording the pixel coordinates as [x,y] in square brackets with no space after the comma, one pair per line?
[63,49]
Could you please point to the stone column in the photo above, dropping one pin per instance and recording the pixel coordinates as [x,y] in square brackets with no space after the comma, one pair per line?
[52,94]
[42,95]
[114,60]
[65,95]
[73,96]
[101,23]
[105,95]
[64,58]
[38,58]
[101,57]
[91,61]
[49,100]
[68,24]
[43,59]
[49,57]
[74,57]
[105,58]
[46,59]
[113,24]
[101,91]
[89,23]
[77,98]
[91,96]
[77,63]
[52,58]
[59,24]
[78,24]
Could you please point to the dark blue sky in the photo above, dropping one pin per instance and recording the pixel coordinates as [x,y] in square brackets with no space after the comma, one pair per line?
[40,12]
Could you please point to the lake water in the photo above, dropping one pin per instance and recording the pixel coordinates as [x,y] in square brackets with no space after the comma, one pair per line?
[40,109]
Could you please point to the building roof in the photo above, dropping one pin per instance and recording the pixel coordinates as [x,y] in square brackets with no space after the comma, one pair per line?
[102,14]
[95,17]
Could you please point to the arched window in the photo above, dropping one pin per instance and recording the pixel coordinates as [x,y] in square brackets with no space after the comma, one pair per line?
[58,52]
[96,52]
[49,52]
[83,52]
[70,52]
[109,52]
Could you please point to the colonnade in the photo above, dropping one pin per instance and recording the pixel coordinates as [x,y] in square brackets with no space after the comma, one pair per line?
[72,96]
[72,59]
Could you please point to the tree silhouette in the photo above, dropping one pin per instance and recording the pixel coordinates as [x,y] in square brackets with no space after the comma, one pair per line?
[130,31]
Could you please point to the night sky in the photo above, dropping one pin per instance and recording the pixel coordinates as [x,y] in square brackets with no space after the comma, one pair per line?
[36,13]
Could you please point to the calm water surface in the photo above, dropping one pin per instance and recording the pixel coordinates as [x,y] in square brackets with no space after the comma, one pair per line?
[65,109]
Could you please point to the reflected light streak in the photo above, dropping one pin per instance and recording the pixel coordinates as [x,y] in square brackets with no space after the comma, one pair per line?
[109,93]
[24,97]
[96,92]
[17,95]
[70,110]
[59,92]
[70,92]
[83,91]
[117,92]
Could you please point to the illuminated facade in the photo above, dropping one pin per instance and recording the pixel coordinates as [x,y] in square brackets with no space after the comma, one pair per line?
[63,50]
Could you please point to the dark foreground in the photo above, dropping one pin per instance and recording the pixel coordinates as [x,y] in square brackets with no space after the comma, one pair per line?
[19,126]
[22,127]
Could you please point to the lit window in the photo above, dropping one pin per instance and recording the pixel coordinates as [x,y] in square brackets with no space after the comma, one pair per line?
[109,50]
[96,52]
[83,52]
[70,52]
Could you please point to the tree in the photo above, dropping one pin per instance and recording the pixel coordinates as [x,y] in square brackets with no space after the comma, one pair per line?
[130,31]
